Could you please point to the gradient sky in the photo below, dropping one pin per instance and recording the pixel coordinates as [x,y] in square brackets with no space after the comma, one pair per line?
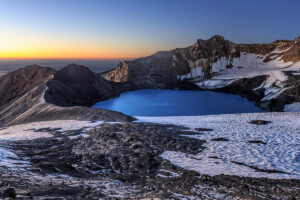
[134,28]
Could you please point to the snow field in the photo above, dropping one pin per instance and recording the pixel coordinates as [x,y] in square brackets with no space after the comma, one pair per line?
[281,151]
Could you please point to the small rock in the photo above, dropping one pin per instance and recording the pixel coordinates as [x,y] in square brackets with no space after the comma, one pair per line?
[203,129]
[220,139]
[256,142]
[10,192]
[245,186]
[259,122]
[291,198]
[205,177]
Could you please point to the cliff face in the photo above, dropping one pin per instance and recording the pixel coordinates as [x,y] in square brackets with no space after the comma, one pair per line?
[176,62]
[217,63]
[204,53]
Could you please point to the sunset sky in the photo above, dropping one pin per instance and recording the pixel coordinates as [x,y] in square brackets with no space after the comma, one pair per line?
[105,29]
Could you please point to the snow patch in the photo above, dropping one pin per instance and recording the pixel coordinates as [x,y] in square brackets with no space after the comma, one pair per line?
[196,72]
[220,65]
[172,174]
[294,107]
[296,73]
[77,136]
[31,131]
[274,85]
[214,83]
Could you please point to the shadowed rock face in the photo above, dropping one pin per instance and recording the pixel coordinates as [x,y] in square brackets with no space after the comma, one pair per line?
[26,98]
[19,82]
[78,85]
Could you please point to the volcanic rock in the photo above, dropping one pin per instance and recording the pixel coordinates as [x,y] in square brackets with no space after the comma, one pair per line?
[19,82]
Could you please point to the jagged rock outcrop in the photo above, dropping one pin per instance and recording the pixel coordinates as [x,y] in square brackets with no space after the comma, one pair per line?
[170,64]
[217,63]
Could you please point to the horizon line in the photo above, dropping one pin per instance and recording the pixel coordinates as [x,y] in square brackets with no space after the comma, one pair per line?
[71,58]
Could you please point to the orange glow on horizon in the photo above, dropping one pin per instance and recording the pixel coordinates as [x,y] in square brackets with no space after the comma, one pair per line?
[66,54]
[64,58]
[14,45]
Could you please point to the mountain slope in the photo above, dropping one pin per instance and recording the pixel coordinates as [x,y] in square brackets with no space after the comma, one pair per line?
[36,93]
[22,80]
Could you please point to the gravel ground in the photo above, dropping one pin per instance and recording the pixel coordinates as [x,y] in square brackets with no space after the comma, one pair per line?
[122,161]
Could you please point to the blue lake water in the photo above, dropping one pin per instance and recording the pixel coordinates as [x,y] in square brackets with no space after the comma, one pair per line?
[157,102]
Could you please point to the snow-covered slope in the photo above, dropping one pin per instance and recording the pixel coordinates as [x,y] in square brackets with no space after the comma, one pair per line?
[236,147]
[248,65]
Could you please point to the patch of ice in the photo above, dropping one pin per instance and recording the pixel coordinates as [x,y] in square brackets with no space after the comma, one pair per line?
[196,72]
[184,197]
[294,107]
[11,160]
[281,151]
[77,136]
[214,83]
[113,122]
[296,73]
[220,65]
[172,174]
[28,131]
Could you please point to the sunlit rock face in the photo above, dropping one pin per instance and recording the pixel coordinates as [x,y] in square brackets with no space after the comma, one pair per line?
[175,62]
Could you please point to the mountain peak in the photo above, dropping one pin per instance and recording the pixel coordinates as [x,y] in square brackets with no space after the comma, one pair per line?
[216,38]
[297,39]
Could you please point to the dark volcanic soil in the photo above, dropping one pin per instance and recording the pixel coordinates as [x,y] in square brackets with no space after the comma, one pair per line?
[121,161]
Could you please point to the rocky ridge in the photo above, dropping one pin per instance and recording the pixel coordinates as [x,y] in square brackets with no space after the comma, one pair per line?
[218,64]
[36,93]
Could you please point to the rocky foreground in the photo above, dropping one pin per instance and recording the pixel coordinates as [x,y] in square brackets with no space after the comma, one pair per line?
[122,161]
